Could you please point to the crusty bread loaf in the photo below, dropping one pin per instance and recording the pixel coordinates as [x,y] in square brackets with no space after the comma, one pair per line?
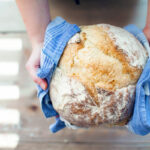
[95,80]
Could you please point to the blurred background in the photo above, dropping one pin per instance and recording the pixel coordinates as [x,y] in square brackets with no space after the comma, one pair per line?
[22,124]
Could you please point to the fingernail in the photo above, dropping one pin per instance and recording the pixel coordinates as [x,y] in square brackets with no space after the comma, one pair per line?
[43,86]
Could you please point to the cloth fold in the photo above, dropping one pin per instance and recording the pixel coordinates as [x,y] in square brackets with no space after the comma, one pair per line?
[140,121]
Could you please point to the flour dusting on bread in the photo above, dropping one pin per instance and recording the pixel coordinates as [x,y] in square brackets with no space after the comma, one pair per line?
[95,80]
[135,52]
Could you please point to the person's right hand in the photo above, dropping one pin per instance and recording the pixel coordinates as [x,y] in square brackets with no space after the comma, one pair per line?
[33,64]
[147,33]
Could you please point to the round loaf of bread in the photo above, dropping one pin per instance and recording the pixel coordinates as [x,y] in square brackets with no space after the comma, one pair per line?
[95,80]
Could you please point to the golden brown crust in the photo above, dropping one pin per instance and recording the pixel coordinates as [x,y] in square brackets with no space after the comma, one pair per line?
[95,80]
[106,75]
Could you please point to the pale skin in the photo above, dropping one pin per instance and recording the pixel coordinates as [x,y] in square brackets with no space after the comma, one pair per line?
[35,14]
[147,26]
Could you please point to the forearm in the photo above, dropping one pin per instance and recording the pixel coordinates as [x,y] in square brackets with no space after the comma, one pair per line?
[35,14]
[148,15]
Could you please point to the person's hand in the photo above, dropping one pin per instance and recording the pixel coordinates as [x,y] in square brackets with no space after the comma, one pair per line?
[147,33]
[33,64]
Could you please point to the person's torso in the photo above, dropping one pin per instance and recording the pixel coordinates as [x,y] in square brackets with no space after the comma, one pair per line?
[93,11]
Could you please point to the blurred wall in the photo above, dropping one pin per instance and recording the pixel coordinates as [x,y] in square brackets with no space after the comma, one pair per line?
[115,12]
[10,19]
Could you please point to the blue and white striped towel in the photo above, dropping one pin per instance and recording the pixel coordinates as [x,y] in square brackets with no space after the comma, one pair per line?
[57,35]
[140,121]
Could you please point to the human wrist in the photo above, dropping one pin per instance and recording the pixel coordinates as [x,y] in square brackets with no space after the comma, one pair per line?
[147,26]
[147,29]
[37,44]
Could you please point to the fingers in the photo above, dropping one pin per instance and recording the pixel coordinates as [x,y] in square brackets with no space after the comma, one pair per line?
[147,33]
[33,64]
[32,71]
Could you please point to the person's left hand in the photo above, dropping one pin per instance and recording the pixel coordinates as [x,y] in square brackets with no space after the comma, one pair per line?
[146,31]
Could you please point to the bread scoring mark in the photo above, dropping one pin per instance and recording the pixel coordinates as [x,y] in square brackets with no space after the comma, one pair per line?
[70,52]
[133,49]
[108,47]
